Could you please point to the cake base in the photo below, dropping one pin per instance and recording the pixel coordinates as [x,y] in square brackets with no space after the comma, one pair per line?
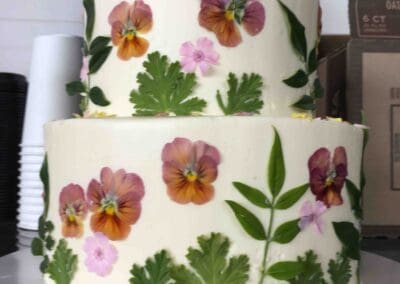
[283,158]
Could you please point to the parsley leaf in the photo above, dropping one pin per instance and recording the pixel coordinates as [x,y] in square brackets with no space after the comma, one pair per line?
[156,270]
[63,265]
[164,88]
[339,269]
[243,97]
[211,265]
[312,273]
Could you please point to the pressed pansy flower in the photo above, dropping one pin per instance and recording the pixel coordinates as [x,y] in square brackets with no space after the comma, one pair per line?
[73,209]
[223,17]
[311,215]
[115,202]
[327,176]
[201,55]
[129,22]
[189,169]
[101,255]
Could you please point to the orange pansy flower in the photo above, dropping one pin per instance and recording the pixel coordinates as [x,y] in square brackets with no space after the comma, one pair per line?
[128,22]
[189,169]
[115,202]
[73,209]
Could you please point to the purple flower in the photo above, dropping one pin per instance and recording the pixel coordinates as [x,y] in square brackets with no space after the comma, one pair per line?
[101,254]
[202,55]
[84,69]
[327,176]
[312,215]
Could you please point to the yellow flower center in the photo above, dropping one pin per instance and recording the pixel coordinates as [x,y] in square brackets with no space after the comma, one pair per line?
[130,34]
[71,218]
[329,181]
[110,210]
[191,176]
[230,15]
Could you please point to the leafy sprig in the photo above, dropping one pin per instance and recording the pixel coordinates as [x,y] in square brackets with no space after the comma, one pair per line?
[165,89]
[285,232]
[44,241]
[208,265]
[243,97]
[301,77]
[339,269]
[98,51]
[156,270]
[312,270]
[63,265]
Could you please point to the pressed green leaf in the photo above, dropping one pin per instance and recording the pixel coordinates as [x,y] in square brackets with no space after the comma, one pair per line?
[211,264]
[42,228]
[250,223]
[63,265]
[350,238]
[318,91]
[44,177]
[50,242]
[98,44]
[165,89]
[44,264]
[286,232]
[255,196]
[97,60]
[276,166]
[75,88]
[297,80]
[312,270]
[297,32]
[90,18]
[340,270]
[37,247]
[285,270]
[49,226]
[243,97]
[182,275]
[97,97]
[289,198]
[355,198]
[306,103]
[312,61]
[156,270]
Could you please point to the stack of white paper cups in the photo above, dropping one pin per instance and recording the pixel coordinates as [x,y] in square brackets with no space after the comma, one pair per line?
[56,60]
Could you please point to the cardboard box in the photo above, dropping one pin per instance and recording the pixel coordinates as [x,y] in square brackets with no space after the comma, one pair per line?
[375,19]
[332,74]
[373,85]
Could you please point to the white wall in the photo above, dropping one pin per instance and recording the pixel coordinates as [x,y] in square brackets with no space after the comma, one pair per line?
[22,20]
[335,18]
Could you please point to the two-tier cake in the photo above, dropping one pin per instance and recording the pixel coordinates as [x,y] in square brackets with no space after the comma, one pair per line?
[187,166]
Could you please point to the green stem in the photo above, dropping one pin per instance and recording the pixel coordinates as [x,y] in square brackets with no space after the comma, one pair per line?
[266,249]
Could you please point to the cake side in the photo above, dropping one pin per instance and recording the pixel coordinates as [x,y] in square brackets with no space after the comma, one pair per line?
[274,40]
[174,180]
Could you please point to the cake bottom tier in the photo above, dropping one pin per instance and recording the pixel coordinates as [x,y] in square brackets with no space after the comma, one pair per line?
[204,200]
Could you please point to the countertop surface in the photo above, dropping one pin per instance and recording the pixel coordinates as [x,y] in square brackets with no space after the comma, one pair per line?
[22,268]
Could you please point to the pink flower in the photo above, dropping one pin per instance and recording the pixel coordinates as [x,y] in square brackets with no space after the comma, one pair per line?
[73,209]
[189,170]
[100,254]
[84,69]
[312,215]
[202,55]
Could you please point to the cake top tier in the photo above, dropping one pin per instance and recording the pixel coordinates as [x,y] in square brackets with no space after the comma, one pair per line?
[199,57]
